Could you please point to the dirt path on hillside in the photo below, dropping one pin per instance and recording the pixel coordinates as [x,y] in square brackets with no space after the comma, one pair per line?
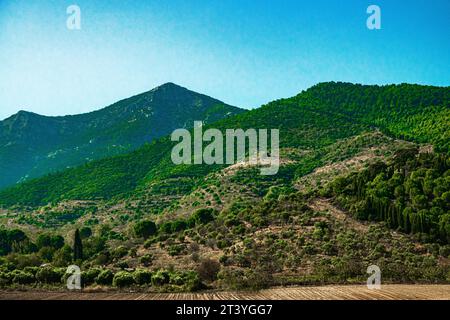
[344,292]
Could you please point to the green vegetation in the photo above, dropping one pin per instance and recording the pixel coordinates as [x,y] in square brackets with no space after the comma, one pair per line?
[32,145]
[144,229]
[312,120]
[411,194]
[77,246]
[349,194]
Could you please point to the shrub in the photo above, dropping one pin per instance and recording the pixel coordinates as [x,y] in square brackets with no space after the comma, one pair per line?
[208,269]
[5,279]
[245,279]
[223,259]
[161,277]
[105,277]
[146,259]
[192,281]
[33,270]
[203,216]
[21,261]
[63,256]
[47,240]
[88,277]
[22,277]
[49,275]
[122,265]
[123,279]
[176,249]
[144,229]
[102,258]
[165,227]
[46,253]
[222,244]
[85,232]
[176,278]
[120,252]
[142,277]
[178,225]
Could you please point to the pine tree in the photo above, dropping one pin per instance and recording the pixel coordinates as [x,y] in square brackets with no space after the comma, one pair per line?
[77,246]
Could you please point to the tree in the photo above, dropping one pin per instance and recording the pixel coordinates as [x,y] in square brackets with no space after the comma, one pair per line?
[204,215]
[208,269]
[57,241]
[144,229]
[63,256]
[43,240]
[85,232]
[77,246]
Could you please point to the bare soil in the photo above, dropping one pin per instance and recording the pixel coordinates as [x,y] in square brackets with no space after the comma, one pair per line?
[332,292]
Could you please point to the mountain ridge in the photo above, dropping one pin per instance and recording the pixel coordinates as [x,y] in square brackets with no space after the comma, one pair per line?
[32,145]
[312,120]
[359,184]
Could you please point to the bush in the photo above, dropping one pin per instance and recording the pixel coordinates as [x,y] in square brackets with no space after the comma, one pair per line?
[192,281]
[105,277]
[47,240]
[142,277]
[122,265]
[5,279]
[203,216]
[176,249]
[245,279]
[49,275]
[208,269]
[22,277]
[146,259]
[63,257]
[144,229]
[160,278]
[33,270]
[176,278]
[21,261]
[88,277]
[120,252]
[46,253]
[85,232]
[123,279]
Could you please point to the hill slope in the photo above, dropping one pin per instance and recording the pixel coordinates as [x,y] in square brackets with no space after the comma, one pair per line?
[32,145]
[349,194]
[312,120]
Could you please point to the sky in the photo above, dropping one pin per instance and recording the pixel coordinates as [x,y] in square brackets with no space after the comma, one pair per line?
[243,52]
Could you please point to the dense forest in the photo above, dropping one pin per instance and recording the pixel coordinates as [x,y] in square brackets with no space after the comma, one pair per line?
[411,194]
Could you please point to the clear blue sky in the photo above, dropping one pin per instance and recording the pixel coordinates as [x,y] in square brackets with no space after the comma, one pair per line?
[244,52]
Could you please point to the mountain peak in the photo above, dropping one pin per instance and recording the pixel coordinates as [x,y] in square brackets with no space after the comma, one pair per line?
[118,128]
[21,114]
[169,86]
[24,113]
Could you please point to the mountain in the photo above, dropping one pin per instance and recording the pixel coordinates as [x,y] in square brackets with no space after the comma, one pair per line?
[32,145]
[312,120]
[364,179]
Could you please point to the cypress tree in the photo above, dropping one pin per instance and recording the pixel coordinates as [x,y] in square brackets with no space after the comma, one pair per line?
[77,246]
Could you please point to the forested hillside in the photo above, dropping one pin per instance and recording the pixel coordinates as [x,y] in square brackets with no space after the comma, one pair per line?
[311,120]
[411,194]
[363,180]
[32,145]
[406,111]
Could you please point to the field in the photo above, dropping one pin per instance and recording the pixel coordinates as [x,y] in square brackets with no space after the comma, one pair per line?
[347,292]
